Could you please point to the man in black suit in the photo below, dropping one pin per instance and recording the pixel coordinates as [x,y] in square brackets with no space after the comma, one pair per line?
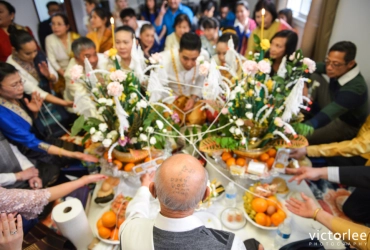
[45,26]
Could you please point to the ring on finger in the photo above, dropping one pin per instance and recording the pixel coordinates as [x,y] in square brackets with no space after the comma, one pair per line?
[13,232]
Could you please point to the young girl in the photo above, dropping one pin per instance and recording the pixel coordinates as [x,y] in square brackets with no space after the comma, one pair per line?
[243,25]
[102,35]
[182,25]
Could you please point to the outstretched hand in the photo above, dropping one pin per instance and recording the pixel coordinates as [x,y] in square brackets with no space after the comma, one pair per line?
[302,173]
[11,233]
[147,178]
[44,69]
[36,102]
[85,157]
[93,178]
[298,153]
[305,208]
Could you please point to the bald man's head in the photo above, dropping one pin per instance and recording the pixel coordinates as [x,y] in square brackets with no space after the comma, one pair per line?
[180,182]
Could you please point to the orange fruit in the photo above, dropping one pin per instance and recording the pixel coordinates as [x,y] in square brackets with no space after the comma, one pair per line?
[114,234]
[270,162]
[128,167]
[104,232]
[268,221]
[261,219]
[276,219]
[259,205]
[230,161]
[99,223]
[118,164]
[272,201]
[119,222]
[109,219]
[147,159]
[225,156]
[241,162]
[264,157]
[271,152]
[281,212]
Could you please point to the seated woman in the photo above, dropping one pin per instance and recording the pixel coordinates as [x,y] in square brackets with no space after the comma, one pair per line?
[17,117]
[211,32]
[272,23]
[101,34]
[6,26]
[283,44]
[147,40]
[243,25]
[182,25]
[58,47]
[119,6]
[124,36]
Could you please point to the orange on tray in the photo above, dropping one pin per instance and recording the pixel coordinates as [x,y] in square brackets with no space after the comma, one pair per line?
[271,152]
[261,219]
[277,219]
[104,232]
[118,164]
[270,162]
[128,167]
[230,161]
[226,155]
[109,219]
[259,205]
[241,162]
[264,157]
[147,159]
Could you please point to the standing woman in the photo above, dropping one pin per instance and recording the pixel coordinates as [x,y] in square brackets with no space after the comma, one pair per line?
[101,34]
[150,11]
[243,25]
[124,42]
[7,15]
[120,5]
[58,47]
[272,23]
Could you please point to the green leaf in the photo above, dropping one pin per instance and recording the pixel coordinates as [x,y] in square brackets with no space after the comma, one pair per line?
[86,137]
[78,125]
[302,129]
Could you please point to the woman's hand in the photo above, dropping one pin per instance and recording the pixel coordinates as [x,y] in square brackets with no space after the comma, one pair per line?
[61,72]
[44,69]
[36,102]
[35,183]
[68,104]
[84,157]
[93,178]
[312,174]
[298,153]
[11,235]
[305,208]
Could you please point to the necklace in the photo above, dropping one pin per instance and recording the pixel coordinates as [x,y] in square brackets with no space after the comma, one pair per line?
[177,73]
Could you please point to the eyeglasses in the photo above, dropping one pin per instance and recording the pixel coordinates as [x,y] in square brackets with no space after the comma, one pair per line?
[18,85]
[334,64]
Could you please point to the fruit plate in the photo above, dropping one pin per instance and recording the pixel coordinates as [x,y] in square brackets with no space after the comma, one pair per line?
[111,242]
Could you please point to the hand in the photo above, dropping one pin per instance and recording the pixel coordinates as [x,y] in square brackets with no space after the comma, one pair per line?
[163,9]
[305,208]
[44,69]
[93,178]
[35,183]
[9,239]
[68,104]
[302,173]
[147,178]
[298,153]
[61,72]
[28,173]
[36,102]
[189,104]
[84,157]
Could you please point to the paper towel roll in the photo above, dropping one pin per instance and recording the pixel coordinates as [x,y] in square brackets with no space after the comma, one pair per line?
[72,222]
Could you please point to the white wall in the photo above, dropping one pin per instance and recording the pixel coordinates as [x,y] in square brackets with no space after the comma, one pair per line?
[352,23]
[26,15]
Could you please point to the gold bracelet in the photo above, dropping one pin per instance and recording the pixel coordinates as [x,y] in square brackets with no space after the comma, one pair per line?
[60,152]
[316,212]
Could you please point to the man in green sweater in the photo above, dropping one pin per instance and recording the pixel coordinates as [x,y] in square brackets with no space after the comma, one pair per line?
[340,105]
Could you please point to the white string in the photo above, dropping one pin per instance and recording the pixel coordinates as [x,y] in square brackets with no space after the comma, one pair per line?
[57,122]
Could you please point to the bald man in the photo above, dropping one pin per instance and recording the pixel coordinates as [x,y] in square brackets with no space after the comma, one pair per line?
[180,183]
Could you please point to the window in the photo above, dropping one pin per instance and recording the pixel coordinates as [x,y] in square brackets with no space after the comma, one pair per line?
[300,8]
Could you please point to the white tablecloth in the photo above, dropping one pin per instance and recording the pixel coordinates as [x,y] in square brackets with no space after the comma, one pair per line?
[301,227]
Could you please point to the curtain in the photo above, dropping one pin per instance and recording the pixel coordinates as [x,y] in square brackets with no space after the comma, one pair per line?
[318,28]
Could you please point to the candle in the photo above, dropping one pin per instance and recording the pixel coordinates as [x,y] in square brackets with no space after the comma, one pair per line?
[263,23]
[112,24]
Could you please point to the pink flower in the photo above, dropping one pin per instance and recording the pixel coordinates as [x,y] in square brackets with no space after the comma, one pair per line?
[224,111]
[118,76]
[250,67]
[115,89]
[76,72]
[155,58]
[264,66]
[278,122]
[123,142]
[175,117]
[311,65]
[204,68]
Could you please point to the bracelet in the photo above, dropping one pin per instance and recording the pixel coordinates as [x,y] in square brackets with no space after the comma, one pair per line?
[60,152]
[316,212]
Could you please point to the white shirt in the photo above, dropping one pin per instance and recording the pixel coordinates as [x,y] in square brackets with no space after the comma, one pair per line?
[171,42]
[58,55]
[9,178]
[190,77]
[137,226]
[240,25]
[31,84]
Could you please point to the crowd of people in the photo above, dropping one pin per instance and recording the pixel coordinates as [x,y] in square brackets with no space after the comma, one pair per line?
[36,80]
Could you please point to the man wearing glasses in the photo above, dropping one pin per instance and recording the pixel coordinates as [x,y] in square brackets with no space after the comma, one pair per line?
[340,105]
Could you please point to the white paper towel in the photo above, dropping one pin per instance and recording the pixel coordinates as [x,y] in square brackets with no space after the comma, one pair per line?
[72,222]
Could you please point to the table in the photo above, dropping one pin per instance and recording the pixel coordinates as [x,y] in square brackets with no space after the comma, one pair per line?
[301,227]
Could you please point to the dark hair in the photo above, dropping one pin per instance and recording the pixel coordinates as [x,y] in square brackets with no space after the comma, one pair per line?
[224,4]
[51,3]
[225,38]
[268,6]
[288,13]
[128,12]
[190,41]
[63,16]
[145,27]
[242,2]
[181,18]
[96,2]
[347,47]
[20,37]
[80,44]
[291,40]
[127,29]
[5,70]
[103,14]
[210,23]
[147,11]
[206,5]
[8,6]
